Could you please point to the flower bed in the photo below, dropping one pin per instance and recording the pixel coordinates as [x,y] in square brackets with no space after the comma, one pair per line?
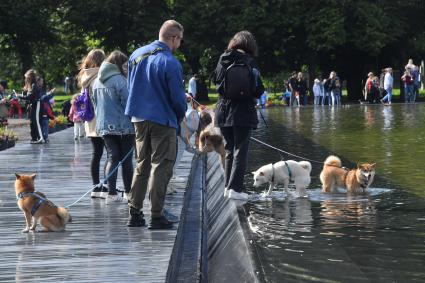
[7,139]
[60,123]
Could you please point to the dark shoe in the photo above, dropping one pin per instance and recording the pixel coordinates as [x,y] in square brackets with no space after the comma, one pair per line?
[136,220]
[97,190]
[160,223]
[171,217]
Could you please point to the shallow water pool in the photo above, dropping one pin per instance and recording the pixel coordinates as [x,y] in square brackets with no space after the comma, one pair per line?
[377,237]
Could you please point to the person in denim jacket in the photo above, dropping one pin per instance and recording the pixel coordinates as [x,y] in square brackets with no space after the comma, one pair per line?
[110,96]
[156,105]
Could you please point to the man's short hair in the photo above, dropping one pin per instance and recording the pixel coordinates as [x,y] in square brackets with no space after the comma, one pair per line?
[170,28]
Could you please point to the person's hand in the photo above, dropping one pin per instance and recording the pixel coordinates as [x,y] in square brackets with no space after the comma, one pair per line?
[188,97]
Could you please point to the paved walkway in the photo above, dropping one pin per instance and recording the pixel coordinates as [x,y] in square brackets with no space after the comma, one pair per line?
[97,246]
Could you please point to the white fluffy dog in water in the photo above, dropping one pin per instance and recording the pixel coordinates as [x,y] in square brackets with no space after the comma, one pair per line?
[283,172]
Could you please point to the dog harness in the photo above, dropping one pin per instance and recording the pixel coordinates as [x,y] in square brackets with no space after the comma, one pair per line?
[289,172]
[39,202]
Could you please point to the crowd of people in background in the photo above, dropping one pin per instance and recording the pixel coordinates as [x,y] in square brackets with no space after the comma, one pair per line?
[325,92]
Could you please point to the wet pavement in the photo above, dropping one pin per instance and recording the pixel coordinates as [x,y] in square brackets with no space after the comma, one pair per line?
[97,246]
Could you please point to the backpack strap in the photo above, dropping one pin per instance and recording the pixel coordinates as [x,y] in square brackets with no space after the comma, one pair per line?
[143,56]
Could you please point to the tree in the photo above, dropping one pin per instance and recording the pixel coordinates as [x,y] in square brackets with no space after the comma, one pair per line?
[23,26]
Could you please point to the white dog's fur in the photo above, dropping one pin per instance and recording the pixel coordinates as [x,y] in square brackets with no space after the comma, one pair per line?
[300,175]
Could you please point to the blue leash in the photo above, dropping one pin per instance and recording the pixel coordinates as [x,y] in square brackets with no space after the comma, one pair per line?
[106,179]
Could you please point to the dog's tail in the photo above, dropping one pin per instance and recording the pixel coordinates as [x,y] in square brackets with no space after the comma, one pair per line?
[333,160]
[306,165]
[64,215]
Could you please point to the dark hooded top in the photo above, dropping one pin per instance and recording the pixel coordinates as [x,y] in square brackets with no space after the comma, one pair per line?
[229,112]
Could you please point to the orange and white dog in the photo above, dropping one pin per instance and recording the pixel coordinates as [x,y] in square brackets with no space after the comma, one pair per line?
[210,137]
[37,208]
[355,180]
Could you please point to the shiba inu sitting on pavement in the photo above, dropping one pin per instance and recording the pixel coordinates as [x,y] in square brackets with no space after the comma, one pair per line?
[37,208]
[283,172]
[355,180]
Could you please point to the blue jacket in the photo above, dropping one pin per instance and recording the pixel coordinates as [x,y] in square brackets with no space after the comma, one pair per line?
[155,85]
[109,98]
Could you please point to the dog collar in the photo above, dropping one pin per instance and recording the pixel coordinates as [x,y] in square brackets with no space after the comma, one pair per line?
[289,171]
[364,186]
[22,195]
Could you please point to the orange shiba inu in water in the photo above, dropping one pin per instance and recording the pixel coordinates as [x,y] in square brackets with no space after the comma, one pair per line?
[37,208]
[355,180]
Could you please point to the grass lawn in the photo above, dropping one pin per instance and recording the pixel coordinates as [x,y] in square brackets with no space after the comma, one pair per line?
[274,97]
[60,97]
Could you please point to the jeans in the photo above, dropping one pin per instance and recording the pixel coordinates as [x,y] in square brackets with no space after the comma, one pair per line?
[45,127]
[236,146]
[408,93]
[317,100]
[335,98]
[416,86]
[118,146]
[387,98]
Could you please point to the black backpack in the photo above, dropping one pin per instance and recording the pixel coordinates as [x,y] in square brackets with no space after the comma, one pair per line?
[239,81]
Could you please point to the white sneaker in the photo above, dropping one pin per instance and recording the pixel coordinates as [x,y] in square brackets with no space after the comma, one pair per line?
[103,194]
[235,195]
[226,192]
[115,199]
[95,194]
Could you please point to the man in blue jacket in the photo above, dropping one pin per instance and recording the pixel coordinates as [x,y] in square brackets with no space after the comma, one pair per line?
[156,105]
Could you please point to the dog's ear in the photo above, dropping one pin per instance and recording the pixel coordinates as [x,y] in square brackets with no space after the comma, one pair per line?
[373,165]
[359,165]
[17,176]
[33,176]
[253,172]
[261,173]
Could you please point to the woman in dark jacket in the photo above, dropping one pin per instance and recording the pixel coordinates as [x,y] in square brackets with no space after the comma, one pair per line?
[237,117]
[32,93]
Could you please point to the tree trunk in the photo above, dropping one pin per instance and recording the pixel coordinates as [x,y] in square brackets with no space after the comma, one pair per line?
[354,86]
[25,53]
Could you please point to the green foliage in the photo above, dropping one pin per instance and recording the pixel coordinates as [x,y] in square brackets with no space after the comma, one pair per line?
[349,36]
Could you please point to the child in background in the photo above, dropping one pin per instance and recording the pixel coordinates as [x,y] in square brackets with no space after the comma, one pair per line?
[73,116]
[287,94]
[317,91]
[46,116]
[263,100]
